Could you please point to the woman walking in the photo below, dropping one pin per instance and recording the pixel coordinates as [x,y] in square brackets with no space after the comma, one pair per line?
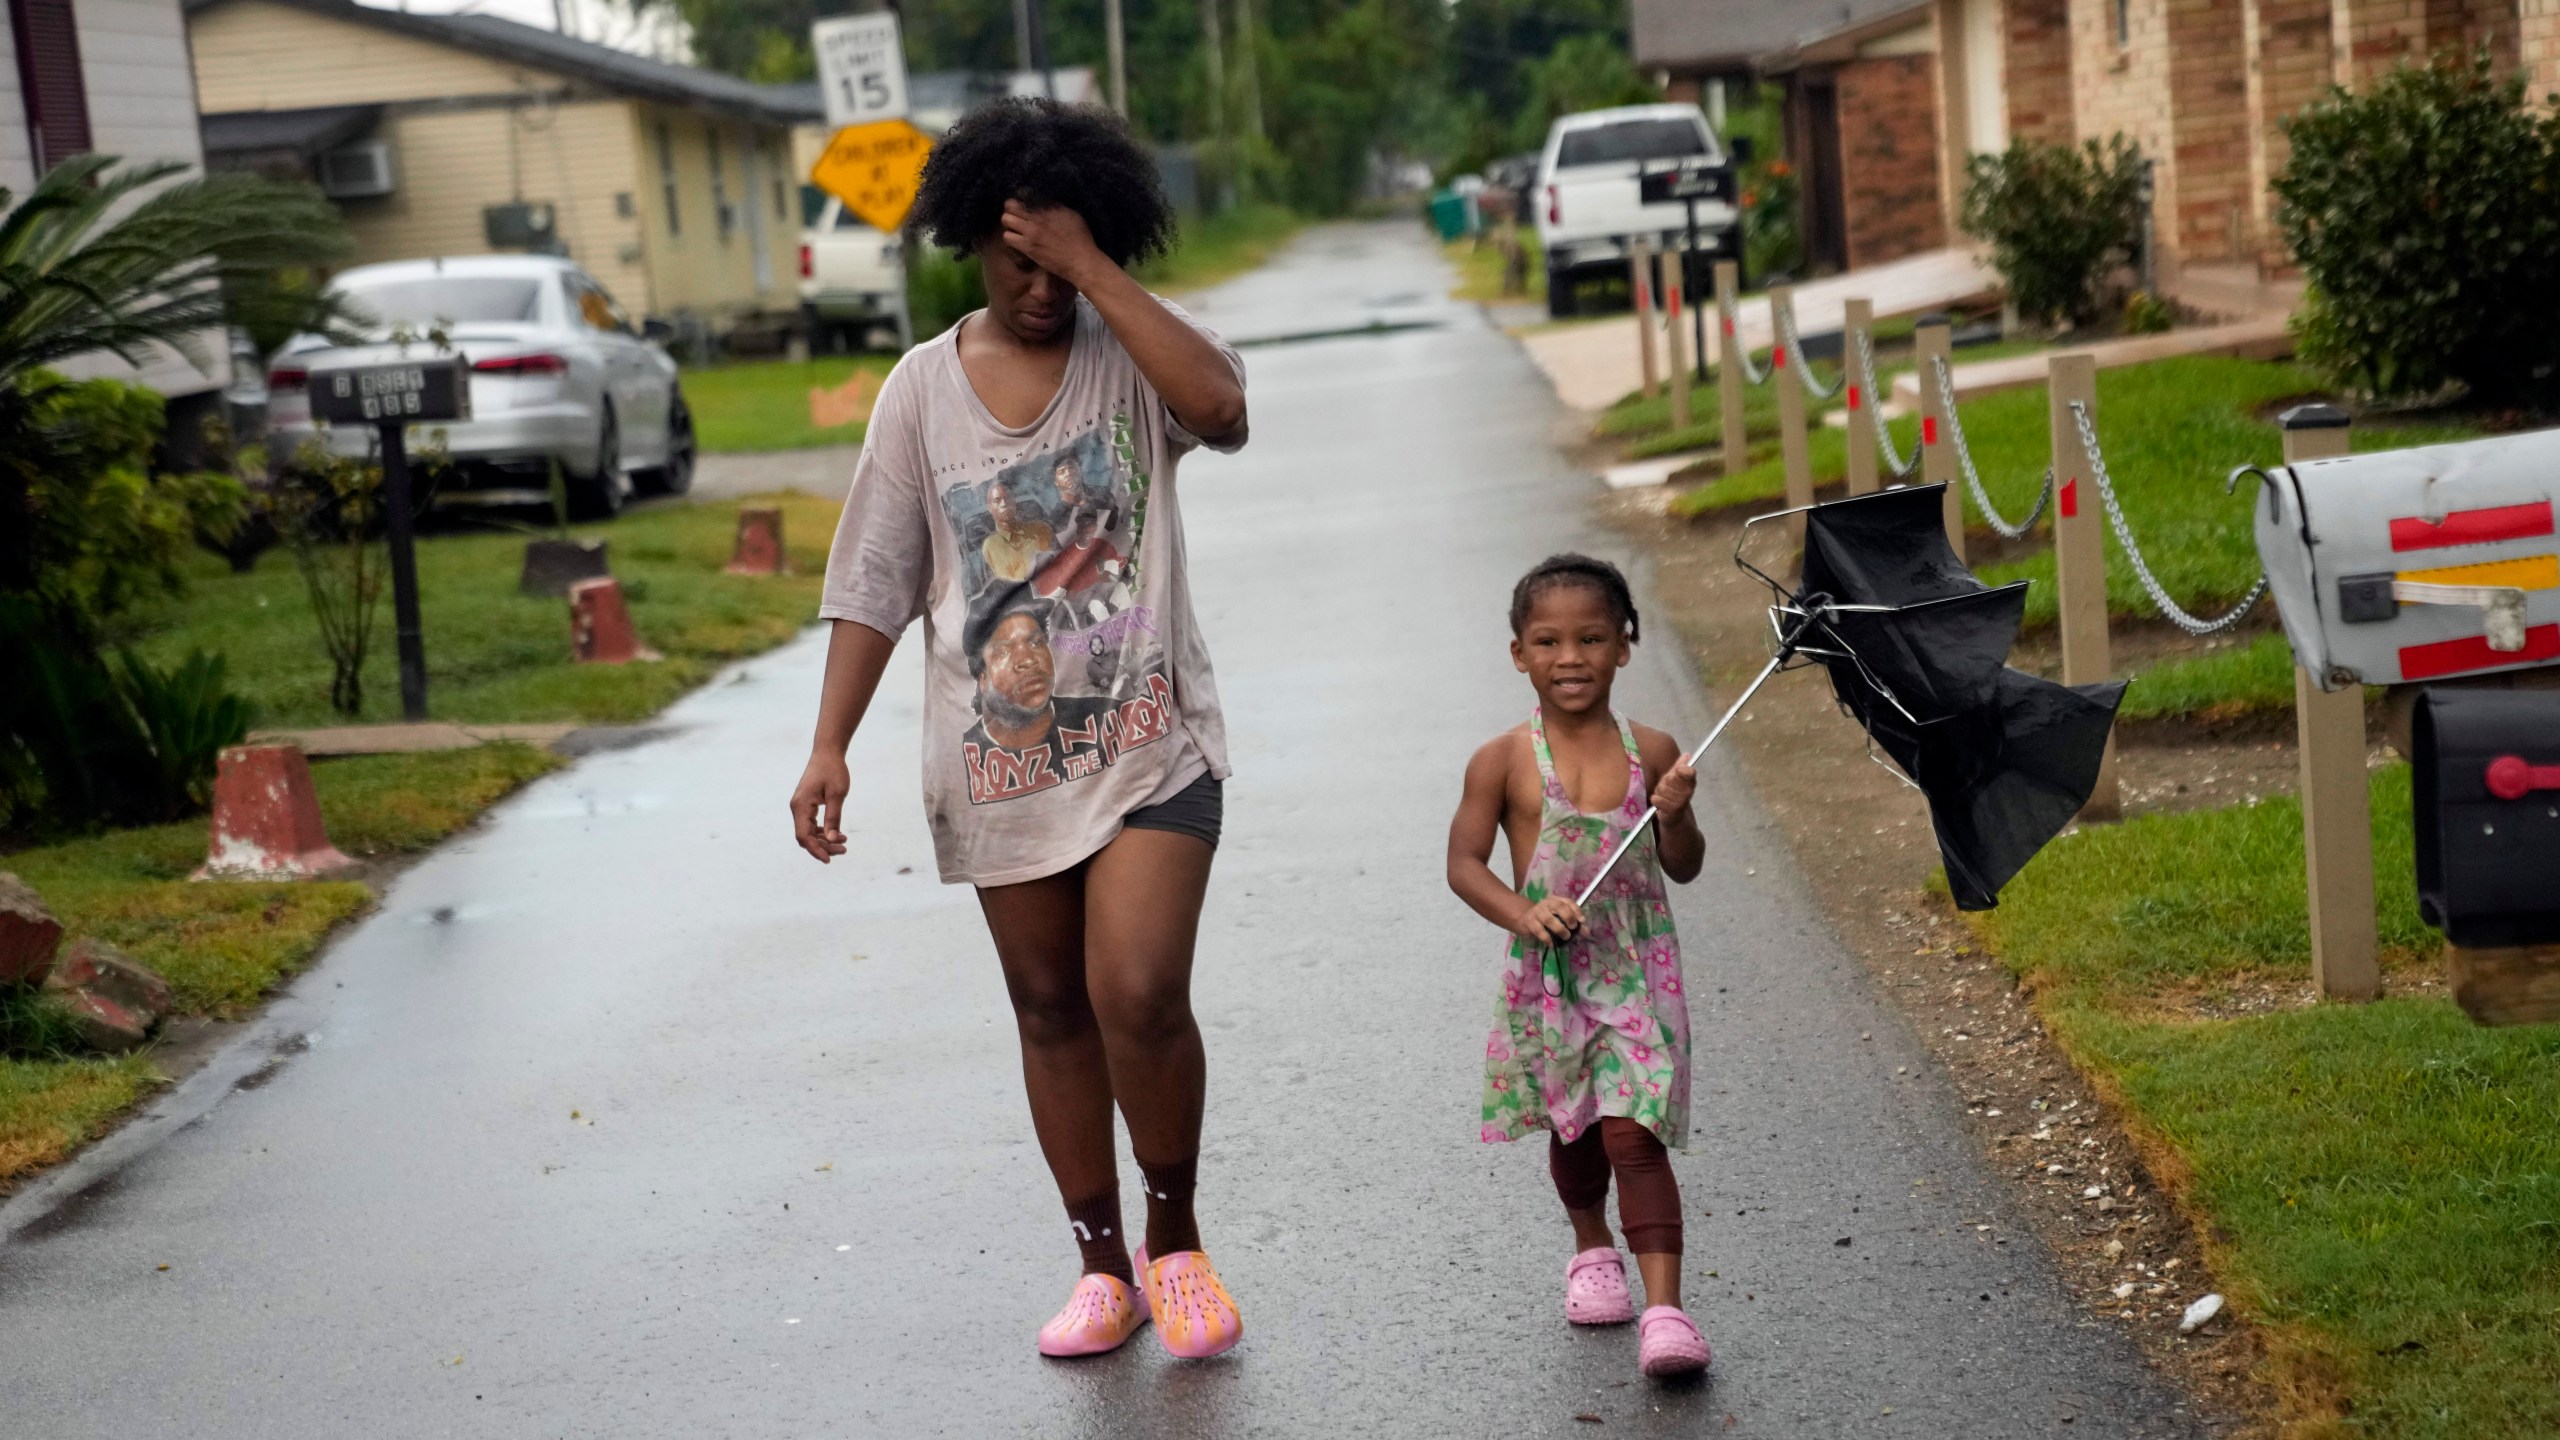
[1081,799]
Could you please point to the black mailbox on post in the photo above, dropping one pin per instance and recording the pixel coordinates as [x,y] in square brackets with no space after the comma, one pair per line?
[1688,180]
[434,388]
[2486,787]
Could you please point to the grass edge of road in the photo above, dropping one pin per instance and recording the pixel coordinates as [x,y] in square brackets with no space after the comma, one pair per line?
[224,946]
[493,654]
[2366,1177]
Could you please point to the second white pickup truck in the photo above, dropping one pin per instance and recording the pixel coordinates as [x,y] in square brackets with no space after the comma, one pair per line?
[1588,199]
[853,283]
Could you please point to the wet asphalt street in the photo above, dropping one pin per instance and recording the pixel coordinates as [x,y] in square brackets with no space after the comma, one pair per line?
[621,1118]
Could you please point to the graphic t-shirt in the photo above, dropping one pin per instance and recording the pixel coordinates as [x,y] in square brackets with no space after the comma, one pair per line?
[1066,683]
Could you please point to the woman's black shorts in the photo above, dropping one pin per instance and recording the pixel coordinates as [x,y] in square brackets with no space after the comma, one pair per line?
[1195,809]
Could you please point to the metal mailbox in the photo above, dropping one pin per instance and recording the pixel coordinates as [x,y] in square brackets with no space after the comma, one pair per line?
[1688,180]
[2419,564]
[2485,786]
[435,388]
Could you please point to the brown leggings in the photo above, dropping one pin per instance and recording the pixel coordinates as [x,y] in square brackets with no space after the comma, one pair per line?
[1648,1193]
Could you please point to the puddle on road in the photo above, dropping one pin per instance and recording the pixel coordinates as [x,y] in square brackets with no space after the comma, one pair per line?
[588,805]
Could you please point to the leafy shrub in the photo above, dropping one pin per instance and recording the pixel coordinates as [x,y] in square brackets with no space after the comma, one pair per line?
[2059,218]
[329,509]
[2147,314]
[98,534]
[187,716]
[943,287]
[1770,242]
[2426,214]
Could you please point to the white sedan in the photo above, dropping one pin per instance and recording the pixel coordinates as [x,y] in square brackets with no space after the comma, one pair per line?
[558,374]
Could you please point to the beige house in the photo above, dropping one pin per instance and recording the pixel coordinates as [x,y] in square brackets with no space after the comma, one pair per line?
[468,134]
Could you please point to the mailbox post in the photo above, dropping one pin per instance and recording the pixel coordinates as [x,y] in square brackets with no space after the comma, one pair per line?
[392,397]
[2337,808]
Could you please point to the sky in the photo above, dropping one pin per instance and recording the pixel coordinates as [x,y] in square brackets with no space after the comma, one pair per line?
[602,21]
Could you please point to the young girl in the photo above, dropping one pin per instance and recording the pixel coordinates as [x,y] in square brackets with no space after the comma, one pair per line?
[1082,800]
[1591,1040]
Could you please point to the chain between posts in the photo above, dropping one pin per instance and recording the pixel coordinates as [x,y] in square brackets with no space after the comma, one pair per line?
[1896,468]
[2141,568]
[1788,337]
[1973,477]
[1742,352]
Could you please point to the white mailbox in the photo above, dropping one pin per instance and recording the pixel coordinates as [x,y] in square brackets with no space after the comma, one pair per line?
[2419,564]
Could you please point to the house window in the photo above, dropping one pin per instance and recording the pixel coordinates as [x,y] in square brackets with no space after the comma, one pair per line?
[721,214]
[2123,11]
[49,76]
[667,177]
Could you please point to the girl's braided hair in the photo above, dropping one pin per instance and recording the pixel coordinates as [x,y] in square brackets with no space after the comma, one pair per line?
[1572,569]
[1043,153]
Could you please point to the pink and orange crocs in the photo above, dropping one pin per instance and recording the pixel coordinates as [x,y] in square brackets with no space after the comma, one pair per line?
[1595,1288]
[1102,1313]
[1668,1343]
[1195,1316]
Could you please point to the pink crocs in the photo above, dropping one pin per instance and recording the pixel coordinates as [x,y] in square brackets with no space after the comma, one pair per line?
[1669,1343]
[1595,1288]
[1195,1316]
[1102,1313]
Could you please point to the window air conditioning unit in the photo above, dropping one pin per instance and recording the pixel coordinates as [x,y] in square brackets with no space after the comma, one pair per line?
[522,225]
[358,172]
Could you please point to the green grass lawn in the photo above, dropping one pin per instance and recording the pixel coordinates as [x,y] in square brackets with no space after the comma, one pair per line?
[222,945]
[494,654]
[2380,1183]
[757,405]
[1479,267]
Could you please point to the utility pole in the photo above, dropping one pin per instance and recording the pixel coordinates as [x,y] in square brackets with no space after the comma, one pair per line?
[1022,34]
[1116,46]
[1251,80]
[1040,48]
[1213,51]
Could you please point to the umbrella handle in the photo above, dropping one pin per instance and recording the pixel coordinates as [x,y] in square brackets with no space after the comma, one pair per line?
[1776,662]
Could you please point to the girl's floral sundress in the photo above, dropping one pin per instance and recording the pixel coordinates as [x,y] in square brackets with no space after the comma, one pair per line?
[1616,1042]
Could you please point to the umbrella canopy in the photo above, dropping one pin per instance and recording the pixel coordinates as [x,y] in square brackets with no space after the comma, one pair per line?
[1917,649]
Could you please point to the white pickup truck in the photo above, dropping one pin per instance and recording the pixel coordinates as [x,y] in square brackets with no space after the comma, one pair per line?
[853,283]
[1588,202]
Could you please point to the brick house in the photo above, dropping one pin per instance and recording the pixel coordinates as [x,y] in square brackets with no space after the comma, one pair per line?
[1874,89]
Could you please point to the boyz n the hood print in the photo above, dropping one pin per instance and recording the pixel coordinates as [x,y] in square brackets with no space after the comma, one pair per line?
[1070,669]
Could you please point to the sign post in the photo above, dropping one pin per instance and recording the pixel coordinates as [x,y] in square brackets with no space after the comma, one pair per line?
[391,398]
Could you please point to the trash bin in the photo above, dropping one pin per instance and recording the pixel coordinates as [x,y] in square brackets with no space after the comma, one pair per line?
[1449,214]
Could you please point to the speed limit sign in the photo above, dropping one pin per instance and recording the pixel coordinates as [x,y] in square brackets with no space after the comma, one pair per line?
[862,68]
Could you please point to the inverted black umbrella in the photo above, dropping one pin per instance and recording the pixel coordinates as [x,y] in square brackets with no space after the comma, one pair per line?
[1917,648]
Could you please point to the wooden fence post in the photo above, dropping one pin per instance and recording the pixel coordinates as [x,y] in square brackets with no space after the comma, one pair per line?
[1858,322]
[1937,448]
[1674,337]
[1786,371]
[1643,263]
[2080,557]
[1729,382]
[2337,808]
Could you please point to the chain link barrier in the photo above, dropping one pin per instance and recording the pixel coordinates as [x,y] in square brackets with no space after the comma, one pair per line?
[1787,336]
[1896,469]
[2142,568]
[1742,352]
[1964,461]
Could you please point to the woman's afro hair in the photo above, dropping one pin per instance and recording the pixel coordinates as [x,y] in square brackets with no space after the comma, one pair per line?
[1598,576]
[1043,153]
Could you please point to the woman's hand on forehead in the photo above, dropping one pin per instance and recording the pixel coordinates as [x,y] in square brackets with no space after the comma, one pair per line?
[1053,237]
